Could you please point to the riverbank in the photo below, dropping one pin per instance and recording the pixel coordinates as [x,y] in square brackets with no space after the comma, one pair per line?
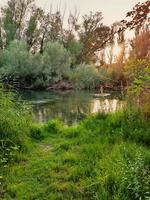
[66,86]
[106,156]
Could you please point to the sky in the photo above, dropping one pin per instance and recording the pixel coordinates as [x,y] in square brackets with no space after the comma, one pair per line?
[113,10]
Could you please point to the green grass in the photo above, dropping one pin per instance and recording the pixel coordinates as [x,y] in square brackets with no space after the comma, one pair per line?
[15,123]
[91,161]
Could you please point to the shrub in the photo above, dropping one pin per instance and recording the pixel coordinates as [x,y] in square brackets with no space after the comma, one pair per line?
[84,76]
[36,70]
[138,74]
[37,132]
[18,66]
[135,182]
[134,69]
[56,62]
[15,60]
[53,126]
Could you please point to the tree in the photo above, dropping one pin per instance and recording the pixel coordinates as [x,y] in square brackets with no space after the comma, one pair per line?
[73,27]
[121,43]
[20,66]
[32,32]
[141,46]
[75,48]
[116,38]
[51,28]
[139,17]
[14,18]
[9,26]
[56,23]
[1,35]
[137,73]
[93,35]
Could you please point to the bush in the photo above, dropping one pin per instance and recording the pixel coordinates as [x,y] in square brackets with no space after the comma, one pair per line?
[56,62]
[135,69]
[138,74]
[84,76]
[37,132]
[18,66]
[53,126]
[15,60]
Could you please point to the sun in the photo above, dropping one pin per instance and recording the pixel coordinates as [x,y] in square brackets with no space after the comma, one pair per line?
[116,50]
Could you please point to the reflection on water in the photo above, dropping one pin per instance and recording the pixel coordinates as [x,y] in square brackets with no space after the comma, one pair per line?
[106,105]
[70,107]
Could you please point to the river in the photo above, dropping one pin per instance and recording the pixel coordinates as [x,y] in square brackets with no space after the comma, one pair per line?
[70,107]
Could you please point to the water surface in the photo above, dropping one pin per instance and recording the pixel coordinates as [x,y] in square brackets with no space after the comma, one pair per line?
[71,106]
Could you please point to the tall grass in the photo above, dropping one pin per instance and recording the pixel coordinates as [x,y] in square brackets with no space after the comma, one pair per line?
[14,125]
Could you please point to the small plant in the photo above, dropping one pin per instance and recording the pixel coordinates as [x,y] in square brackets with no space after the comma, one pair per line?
[136,180]
[8,152]
[53,126]
[37,132]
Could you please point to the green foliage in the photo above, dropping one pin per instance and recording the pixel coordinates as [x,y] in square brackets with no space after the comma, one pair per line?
[36,132]
[20,66]
[15,60]
[135,127]
[138,73]
[14,126]
[53,126]
[24,69]
[8,153]
[31,31]
[75,48]
[10,26]
[136,179]
[92,160]
[84,76]
[14,117]
[135,69]
[56,62]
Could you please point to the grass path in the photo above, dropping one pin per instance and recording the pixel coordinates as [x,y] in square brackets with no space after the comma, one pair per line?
[32,175]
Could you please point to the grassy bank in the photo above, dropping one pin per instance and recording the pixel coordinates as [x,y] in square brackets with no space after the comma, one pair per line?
[104,157]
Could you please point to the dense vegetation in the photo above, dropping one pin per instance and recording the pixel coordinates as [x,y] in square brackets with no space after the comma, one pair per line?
[15,124]
[26,69]
[38,51]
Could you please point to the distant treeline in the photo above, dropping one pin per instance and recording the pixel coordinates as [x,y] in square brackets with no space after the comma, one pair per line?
[37,50]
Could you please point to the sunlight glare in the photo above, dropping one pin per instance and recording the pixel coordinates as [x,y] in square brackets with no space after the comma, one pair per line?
[116,50]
